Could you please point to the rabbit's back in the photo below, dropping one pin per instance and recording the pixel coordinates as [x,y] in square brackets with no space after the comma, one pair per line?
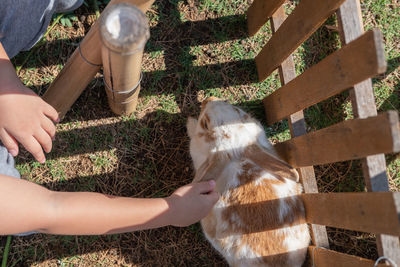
[259,219]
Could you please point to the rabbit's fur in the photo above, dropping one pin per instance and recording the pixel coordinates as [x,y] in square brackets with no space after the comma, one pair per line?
[259,219]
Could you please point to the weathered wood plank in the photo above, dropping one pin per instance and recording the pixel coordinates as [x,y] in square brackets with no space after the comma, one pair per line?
[363,102]
[298,127]
[300,24]
[322,257]
[351,139]
[353,63]
[373,212]
[259,12]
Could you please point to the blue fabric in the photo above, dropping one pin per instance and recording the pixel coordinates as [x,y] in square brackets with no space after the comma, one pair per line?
[7,168]
[23,22]
[7,163]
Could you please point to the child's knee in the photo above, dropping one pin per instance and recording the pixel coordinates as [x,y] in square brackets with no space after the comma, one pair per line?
[67,5]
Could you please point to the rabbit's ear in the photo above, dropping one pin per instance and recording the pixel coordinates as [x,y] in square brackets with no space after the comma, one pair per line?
[208,99]
[191,126]
[211,169]
[271,162]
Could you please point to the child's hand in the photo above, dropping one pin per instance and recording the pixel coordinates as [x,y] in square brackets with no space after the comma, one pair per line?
[192,202]
[26,118]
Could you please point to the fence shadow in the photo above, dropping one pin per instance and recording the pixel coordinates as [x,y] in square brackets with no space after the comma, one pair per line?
[151,160]
[173,38]
[150,153]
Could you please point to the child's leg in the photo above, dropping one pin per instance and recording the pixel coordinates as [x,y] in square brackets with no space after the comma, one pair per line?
[7,168]
[23,22]
[68,5]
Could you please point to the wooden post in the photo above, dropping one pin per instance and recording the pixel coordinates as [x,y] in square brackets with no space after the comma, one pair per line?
[124,32]
[297,128]
[82,66]
[363,102]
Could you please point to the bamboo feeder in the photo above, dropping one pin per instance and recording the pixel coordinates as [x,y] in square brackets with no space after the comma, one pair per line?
[82,66]
[124,32]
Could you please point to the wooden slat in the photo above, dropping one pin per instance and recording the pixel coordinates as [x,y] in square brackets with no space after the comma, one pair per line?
[353,63]
[350,21]
[363,102]
[351,139]
[373,212]
[322,257]
[300,24]
[298,127]
[259,12]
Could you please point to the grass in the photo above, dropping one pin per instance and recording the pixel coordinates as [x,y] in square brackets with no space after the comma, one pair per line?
[5,252]
[196,49]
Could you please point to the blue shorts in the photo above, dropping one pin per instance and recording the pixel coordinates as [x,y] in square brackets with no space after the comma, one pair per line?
[23,22]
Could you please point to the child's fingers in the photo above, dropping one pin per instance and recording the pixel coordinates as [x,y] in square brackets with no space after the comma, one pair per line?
[212,197]
[32,145]
[44,139]
[205,187]
[48,126]
[9,142]
[50,112]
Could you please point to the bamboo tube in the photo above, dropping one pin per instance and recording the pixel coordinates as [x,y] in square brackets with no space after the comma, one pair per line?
[82,66]
[124,32]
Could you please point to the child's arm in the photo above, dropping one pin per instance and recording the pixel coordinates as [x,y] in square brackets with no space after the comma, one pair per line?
[24,116]
[26,206]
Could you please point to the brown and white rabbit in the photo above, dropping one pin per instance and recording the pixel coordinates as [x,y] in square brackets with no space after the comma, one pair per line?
[259,219]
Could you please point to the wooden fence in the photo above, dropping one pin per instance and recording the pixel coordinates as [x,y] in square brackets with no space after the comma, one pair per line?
[365,137]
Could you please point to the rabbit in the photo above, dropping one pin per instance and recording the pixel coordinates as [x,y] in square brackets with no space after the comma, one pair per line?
[259,219]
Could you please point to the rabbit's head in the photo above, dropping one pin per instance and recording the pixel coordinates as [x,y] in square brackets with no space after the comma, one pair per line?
[220,124]
[221,127]
[217,116]
[224,132]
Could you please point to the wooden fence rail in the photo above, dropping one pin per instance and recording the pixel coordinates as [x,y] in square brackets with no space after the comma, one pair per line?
[353,63]
[374,212]
[323,257]
[259,12]
[299,25]
[347,140]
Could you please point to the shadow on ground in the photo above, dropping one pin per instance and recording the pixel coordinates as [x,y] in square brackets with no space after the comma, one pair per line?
[149,155]
[152,160]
